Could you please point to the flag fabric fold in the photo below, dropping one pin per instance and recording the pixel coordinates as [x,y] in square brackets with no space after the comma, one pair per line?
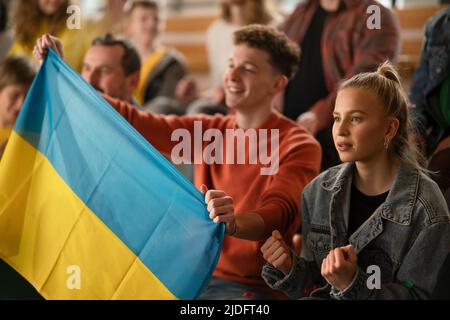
[90,210]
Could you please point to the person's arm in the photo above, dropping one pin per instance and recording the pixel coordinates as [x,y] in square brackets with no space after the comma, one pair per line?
[249,226]
[418,272]
[299,163]
[373,48]
[163,132]
[300,275]
[279,207]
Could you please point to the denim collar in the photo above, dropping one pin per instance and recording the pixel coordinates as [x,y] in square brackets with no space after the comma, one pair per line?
[402,196]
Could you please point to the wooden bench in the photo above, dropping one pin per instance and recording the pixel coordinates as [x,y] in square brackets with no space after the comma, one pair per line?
[188,35]
[412,23]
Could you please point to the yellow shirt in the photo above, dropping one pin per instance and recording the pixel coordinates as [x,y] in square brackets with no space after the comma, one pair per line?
[146,69]
[75,43]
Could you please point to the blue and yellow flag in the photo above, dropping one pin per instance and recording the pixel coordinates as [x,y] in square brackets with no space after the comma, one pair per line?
[90,210]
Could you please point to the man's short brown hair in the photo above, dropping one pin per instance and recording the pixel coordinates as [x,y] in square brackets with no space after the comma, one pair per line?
[284,54]
[131,62]
[16,70]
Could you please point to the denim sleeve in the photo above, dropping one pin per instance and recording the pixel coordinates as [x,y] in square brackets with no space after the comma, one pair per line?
[421,77]
[419,115]
[304,275]
[297,283]
[418,272]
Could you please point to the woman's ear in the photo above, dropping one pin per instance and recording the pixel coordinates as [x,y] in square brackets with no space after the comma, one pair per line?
[392,128]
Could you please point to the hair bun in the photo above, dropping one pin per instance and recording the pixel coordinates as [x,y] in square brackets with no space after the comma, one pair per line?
[387,70]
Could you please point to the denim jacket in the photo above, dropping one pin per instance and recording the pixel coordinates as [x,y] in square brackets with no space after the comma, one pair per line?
[407,237]
[434,67]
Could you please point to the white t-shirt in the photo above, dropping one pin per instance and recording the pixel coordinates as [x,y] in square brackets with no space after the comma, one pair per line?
[219,42]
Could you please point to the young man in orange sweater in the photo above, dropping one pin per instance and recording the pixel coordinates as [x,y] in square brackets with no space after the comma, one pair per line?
[251,197]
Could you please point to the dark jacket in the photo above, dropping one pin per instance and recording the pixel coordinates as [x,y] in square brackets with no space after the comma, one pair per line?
[164,78]
[433,69]
[407,237]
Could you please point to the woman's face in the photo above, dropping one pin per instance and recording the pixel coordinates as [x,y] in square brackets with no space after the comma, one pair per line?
[143,25]
[360,125]
[50,7]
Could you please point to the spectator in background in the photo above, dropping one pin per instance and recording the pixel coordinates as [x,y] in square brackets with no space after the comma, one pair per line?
[430,94]
[162,68]
[31,19]
[430,89]
[16,75]
[336,43]
[219,43]
[110,65]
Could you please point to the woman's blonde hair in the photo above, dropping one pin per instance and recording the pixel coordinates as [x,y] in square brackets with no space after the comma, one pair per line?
[386,84]
[255,12]
[26,17]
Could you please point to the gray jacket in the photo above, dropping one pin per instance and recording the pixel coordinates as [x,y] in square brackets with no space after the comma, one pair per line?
[407,237]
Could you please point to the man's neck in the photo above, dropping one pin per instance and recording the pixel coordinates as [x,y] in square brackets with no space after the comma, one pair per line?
[376,176]
[253,118]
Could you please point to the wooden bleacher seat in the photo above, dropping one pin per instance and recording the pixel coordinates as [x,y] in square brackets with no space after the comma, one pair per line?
[412,23]
[188,33]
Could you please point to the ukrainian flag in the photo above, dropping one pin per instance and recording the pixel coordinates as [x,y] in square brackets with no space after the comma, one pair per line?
[90,210]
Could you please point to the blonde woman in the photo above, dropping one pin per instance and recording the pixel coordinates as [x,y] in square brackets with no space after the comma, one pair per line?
[375,227]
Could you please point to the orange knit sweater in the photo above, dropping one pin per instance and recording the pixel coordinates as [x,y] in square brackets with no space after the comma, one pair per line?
[276,198]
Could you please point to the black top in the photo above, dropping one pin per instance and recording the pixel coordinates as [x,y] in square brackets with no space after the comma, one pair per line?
[308,84]
[362,207]
[14,286]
